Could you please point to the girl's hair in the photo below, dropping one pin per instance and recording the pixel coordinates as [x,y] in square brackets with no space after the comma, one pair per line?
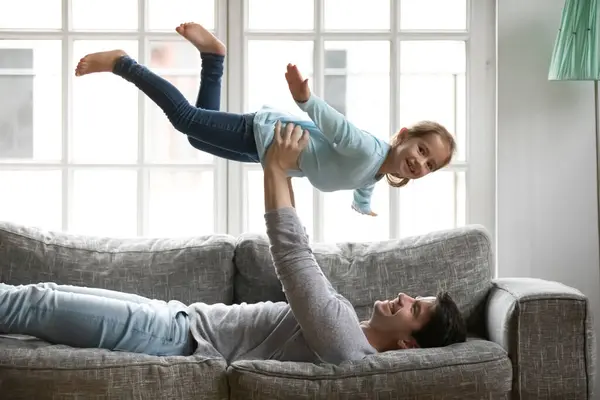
[419,130]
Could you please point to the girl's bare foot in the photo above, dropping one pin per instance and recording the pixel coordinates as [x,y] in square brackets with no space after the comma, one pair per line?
[103,61]
[204,41]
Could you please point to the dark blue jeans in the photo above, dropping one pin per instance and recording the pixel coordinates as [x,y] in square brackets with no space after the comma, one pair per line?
[222,134]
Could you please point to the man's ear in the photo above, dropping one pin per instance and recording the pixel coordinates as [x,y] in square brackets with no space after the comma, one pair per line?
[407,344]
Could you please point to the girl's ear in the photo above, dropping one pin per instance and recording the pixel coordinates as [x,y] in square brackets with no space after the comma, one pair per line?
[402,135]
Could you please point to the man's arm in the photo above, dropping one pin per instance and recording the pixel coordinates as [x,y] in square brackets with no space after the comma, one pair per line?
[291,190]
[329,323]
[278,193]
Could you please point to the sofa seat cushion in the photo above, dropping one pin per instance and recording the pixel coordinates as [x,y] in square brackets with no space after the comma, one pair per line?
[33,369]
[472,370]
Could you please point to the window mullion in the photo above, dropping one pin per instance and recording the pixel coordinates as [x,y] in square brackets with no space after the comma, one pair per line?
[143,175]
[394,110]
[318,88]
[66,85]
[221,166]
[237,81]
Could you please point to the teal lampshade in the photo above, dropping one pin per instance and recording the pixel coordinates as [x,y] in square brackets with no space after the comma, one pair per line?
[576,53]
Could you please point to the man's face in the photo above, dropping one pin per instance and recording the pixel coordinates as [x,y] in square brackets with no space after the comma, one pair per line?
[403,315]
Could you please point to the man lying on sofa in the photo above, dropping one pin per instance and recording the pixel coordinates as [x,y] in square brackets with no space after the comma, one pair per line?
[315,325]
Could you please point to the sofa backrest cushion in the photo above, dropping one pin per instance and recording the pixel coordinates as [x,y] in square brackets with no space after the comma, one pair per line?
[187,269]
[459,261]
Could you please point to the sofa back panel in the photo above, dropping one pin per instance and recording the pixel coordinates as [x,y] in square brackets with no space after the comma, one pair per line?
[188,269]
[459,261]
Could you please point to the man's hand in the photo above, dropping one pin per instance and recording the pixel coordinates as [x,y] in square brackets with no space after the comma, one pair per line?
[287,145]
[298,85]
[281,156]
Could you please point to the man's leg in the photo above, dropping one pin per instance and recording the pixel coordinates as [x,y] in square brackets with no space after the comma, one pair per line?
[109,294]
[90,321]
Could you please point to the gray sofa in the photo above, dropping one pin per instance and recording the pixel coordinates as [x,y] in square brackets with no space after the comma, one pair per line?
[530,339]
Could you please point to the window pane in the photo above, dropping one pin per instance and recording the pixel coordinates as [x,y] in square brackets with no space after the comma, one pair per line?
[105,110]
[104,203]
[432,203]
[359,86]
[176,55]
[181,203]
[266,80]
[19,15]
[31,117]
[255,202]
[179,63]
[261,14]
[434,90]
[433,14]
[357,14]
[32,198]
[342,223]
[103,14]
[168,14]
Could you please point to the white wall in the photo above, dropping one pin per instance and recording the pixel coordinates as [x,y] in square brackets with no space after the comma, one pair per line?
[546,165]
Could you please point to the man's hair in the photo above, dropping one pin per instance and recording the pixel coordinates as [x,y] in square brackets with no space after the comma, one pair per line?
[446,326]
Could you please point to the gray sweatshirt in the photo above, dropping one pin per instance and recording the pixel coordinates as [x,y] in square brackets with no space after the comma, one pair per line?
[316,324]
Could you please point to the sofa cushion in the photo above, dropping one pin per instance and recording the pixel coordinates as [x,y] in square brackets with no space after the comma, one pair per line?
[457,260]
[473,370]
[187,269]
[32,369]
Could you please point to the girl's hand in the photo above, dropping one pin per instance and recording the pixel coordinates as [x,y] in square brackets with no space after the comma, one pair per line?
[371,213]
[298,86]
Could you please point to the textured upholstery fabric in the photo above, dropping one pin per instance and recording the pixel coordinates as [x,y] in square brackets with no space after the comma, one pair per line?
[186,269]
[473,370]
[547,329]
[459,261]
[36,370]
[531,339]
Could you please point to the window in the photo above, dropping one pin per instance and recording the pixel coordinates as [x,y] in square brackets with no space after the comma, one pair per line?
[93,155]
[384,64]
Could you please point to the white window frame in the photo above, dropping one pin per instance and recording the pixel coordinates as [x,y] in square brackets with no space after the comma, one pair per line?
[479,166]
[141,166]
[229,177]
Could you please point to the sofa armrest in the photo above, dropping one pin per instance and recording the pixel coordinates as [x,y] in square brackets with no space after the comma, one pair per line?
[546,328]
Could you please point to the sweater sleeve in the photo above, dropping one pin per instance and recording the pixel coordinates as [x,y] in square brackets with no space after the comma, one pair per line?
[328,321]
[345,136]
[362,199]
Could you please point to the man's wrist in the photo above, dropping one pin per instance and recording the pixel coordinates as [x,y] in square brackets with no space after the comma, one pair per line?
[275,172]
[277,194]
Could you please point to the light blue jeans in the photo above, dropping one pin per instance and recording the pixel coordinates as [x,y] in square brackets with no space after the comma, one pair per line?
[96,318]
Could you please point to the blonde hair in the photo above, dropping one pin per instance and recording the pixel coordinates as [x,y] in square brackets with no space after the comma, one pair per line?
[419,130]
